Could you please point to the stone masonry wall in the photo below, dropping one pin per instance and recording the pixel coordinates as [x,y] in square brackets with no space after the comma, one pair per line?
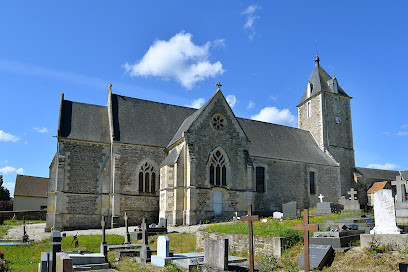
[288,181]
[239,243]
[314,123]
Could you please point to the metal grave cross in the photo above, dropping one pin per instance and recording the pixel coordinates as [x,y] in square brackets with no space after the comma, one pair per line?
[353,194]
[306,227]
[250,218]
[401,191]
[321,197]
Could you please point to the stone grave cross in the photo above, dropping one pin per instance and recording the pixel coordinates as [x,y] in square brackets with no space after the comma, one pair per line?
[353,194]
[306,227]
[250,218]
[104,246]
[401,191]
[321,197]
[127,234]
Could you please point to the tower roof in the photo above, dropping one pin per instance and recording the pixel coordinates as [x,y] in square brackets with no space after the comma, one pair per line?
[321,81]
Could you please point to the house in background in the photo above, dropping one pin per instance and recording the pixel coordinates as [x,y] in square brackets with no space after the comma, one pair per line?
[30,193]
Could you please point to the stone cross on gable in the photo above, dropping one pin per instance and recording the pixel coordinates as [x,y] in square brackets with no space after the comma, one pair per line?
[353,194]
[250,218]
[321,197]
[401,191]
[306,227]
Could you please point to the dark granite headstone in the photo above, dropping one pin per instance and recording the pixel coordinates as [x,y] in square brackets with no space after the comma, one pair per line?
[319,255]
[290,209]
[403,267]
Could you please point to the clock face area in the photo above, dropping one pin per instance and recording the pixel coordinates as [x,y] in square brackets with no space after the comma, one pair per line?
[337,119]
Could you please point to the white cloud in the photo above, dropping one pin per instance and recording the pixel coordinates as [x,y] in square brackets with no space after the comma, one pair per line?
[402,133]
[232,100]
[10,186]
[197,103]
[274,115]
[219,43]
[11,170]
[387,166]
[250,19]
[7,137]
[273,98]
[41,130]
[251,105]
[178,58]
[404,126]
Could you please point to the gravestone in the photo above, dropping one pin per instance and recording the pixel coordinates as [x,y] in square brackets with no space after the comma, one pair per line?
[320,255]
[277,215]
[104,245]
[401,189]
[163,252]
[55,247]
[323,208]
[127,234]
[384,213]
[351,205]
[162,223]
[216,253]
[290,209]
[403,267]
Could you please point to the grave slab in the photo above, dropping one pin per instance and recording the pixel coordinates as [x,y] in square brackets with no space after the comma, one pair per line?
[320,255]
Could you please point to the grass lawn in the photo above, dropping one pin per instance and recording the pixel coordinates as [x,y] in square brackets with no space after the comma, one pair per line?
[274,227]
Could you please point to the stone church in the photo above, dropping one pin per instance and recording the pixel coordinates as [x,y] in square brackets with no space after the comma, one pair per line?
[154,160]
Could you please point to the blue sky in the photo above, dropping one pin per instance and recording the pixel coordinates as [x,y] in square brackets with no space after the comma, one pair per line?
[175,51]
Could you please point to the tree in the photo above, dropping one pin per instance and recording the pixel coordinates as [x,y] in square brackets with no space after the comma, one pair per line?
[4,192]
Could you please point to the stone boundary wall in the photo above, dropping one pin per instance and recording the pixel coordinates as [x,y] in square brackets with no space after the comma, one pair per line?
[239,242]
[28,215]
[394,241]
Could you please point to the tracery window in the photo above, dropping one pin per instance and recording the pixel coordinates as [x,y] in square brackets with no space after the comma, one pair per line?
[147,178]
[218,169]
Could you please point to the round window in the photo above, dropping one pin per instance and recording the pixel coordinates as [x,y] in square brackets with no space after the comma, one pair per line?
[218,122]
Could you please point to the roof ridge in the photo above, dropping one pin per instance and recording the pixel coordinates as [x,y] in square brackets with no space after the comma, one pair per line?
[83,103]
[156,102]
[30,176]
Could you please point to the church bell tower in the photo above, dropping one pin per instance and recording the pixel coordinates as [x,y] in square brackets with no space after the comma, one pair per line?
[324,110]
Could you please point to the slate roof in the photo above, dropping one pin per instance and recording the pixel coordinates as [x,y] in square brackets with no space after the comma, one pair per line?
[31,186]
[282,142]
[377,174]
[404,174]
[86,122]
[143,122]
[376,187]
[320,80]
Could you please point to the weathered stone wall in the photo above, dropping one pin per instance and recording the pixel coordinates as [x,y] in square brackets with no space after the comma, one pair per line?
[201,140]
[346,159]
[239,243]
[20,215]
[313,124]
[288,181]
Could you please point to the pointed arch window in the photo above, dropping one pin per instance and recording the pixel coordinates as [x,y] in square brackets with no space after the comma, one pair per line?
[147,178]
[218,169]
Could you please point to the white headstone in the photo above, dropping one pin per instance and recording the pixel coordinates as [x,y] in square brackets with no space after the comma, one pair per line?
[277,215]
[163,249]
[321,197]
[384,213]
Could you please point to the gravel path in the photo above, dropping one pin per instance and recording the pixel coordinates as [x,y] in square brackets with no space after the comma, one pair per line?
[36,231]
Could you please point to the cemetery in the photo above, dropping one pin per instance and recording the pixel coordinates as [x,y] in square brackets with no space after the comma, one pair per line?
[334,239]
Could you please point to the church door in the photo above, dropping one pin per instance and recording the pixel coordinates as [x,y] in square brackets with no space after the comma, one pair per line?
[217,202]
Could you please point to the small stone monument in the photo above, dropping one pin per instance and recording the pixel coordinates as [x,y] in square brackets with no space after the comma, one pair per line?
[216,254]
[384,213]
[127,234]
[351,205]
[163,252]
[401,189]
[55,247]
[290,210]
[321,197]
[104,245]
